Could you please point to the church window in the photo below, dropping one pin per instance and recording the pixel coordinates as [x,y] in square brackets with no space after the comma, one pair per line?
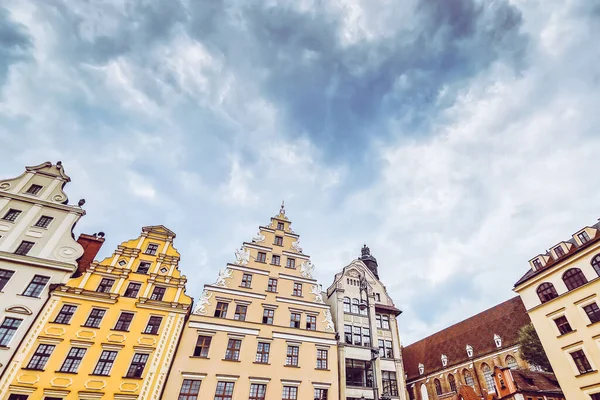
[511,362]
[468,377]
[489,378]
[438,387]
[452,382]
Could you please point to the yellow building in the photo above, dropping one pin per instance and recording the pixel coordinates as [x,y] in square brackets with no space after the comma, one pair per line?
[561,295]
[109,333]
[262,330]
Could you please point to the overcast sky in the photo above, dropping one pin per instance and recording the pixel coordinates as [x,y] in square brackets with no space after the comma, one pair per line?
[457,138]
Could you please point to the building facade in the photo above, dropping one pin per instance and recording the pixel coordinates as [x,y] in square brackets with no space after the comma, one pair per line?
[519,384]
[36,248]
[262,330]
[111,331]
[466,353]
[561,293]
[370,358]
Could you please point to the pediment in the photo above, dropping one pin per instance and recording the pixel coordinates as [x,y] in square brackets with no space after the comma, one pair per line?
[19,310]
[159,229]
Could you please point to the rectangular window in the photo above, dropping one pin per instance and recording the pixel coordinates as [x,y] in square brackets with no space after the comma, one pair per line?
[105,363]
[383,321]
[34,189]
[124,321]
[321,359]
[95,318]
[221,310]
[348,334]
[5,276]
[11,215]
[290,393]
[295,320]
[311,323]
[240,313]
[291,263]
[593,312]
[280,226]
[261,257]
[224,391]
[40,357]
[297,289]
[190,388]
[385,349]
[366,337]
[268,315]
[132,289]
[359,373]
[65,314]
[581,361]
[43,222]
[558,250]
[153,325]
[275,259]
[278,240]
[158,293]
[35,287]
[202,346]
[246,281]
[74,357]
[144,267]
[389,383]
[105,285]
[563,325]
[24,248]
[233,350]
[138,363]
[18,397]
[272,285]
[537,263]
[291,358]
[377,297]
[262,353]
[583,237]
[320,394]
[357,336]
[151,249]
[257,391]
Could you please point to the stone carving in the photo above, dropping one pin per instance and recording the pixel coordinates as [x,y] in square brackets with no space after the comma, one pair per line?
[259,238]
[296,246]
[242,256]
[328,321]
[224,274]
[318,295]
[203,302]
[306,269]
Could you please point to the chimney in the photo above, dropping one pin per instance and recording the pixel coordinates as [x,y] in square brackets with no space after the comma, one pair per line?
[91,246]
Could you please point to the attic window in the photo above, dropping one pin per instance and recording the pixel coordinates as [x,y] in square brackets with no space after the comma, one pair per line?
[583,237]
[469,351]
[498,340]
[558,250]
[34,190]
[444,360]
[537,263]
[421,369]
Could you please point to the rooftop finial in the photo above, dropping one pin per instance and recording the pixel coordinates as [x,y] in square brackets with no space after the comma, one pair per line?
[365,251]
[282,211]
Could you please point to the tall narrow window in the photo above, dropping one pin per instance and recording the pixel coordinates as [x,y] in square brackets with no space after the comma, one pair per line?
[202,346]
[280,226]
[366,337]
[261,257]
[11,215]
[563,325]
[73,360]
[385,321]
[221,310]
[190,388]
[272,285]
[489,377]
[291,263]
[124,321]
[233,350]
[35,287]
[291,358]
[295,320]
[546,292]
[355,306]
[262,353]
[105,285]
[389,382]
[5,276]
[257,391]
[297,289]
[348,334]
[356,333]
[151,249]
[138,363]
[132,289]
[322,359]
[574,278]
[583,237]
[290,393]
[581,361]
[468,377]
[278,240]
[224,391]
[95,318]
[105,363]
[268,315]
[246,281]
[311,322]
[158,293]
[153,325]
[7,330]
[43,222]
[143,268]
[596,263]
[65,314]
[275,259]
[593,312]
[346,304]
[40,357]
[452,382]
[511,362]
[438,387]
[24,248]
[34,189]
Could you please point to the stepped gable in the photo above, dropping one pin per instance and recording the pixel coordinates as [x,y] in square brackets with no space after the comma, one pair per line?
[505,320]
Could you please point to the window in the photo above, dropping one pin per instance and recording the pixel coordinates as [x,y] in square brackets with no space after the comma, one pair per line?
[469,378]
[291,263]
[320,394]
[290,393]
[151,249]
[359,373]
[124,321]
[511,362]
[377,297]
[190,388]
[583,237]
[363,311]
[438,387]
[268,315]
[261,257]
[311,323]
[65,314]
[240,312]
[5,276]
[357,336]
[593,312]
[74,357]
[546,292]
[581,361]
[95,318]
[35,287]
[452,383]
[574,278]
[18,397]
[158,293]
[105,285]
[366,337]
[278,240]
[233,350]
[390,385]
[11,215]
[262,353]
[595,396]
[105,363]
[34,189]
[297,289]
[291,358]
[385,349]
[221,310]
[246,281]
[40,357]
[153,325]
[132,289]
[257,391]
[382,321]
[272,285]
[558,250]
[498,340]
[295,320]
[202,346]
[348,334]
[346,304]
[224,391]
[275,259]
[355,308]
[24,248]
[489,377]
[563,325]
[138,363]
[280,226]
[321,359]
[144,267]
[537,263]
[43,222]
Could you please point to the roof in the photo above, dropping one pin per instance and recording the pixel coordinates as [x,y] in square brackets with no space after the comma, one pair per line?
[504,319]
[534,381]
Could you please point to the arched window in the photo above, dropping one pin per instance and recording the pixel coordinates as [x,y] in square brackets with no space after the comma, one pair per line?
[489,378]
[546,292]
[452,383]
[468,377]
[574,278]
[424,394]
[438,387]
[596,263]
[511,362]
[346,304]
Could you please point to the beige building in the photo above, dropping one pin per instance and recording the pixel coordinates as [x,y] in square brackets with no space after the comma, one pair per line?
[37,248]
[262,330]
[561,294]
[370,358]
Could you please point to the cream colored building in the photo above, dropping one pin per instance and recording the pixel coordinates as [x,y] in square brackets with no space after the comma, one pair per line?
[561,295]
[37,248]
[370,357]
[262,330]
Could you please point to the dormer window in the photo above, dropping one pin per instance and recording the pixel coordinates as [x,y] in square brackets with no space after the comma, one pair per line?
[34,190]
[469,351]
[537,264]
[558,250]
[498,340]
[444,360]
[280,226]
[421,369]
[583,237]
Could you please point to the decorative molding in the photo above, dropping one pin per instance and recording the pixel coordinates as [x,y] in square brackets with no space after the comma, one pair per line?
[248,269]
[236,292]
[304,338]
[297,278]
[223,328]
[318,294]
[19,309]
[302,303]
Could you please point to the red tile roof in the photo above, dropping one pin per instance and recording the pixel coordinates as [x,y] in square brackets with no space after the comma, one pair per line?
[530,381]
[505,320]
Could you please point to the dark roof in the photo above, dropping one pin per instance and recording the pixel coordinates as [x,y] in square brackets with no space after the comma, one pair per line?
[505,320]
[534,381]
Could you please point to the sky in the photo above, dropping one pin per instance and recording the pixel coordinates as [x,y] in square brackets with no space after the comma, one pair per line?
[457,139]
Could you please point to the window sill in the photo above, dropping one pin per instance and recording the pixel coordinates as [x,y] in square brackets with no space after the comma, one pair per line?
[149,333]
[133,377]
[203,358]
[322,369]
[140,273]
[268,291]
[65,372]
[261,363]
[262,262]
[567,333]
[31,297]
[98,374]
[59,323]
[586,373]
[593,323]
[224,359]
[291,366]
[90,327]
[245,287]
[32,369]
[118,330]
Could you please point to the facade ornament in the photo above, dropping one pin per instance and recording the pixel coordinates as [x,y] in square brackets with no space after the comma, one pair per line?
[242,257]
[224,274]
[259,238]
[203,302]
[421,369]
[306,269]
[328,321]
[318,295]
[444,360]
[296,246]
[469,351]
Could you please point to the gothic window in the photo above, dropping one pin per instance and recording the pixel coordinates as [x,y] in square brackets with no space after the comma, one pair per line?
[489,378]
[546,292]
[452,382]
[574,278]
[511,362]
[438,387]
[468,377]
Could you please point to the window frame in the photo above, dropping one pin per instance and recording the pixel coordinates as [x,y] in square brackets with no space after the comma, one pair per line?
[202,346]
[105,285]
[292,356]
[154,323]
[233,350]
[64,317]
[224,390]
[158,293]
[24,247]
[575,278]
[124,321]
[95,317]
[263,351]
[73,360]
[134,367]
[12,215]
[297,290]
[40,357]
[322,359]
[192,389]
[43,222]
[246,281]
[269,314]
[105,362]
[151,249]
[127,292]
[5,277]
[38,287]
[272,284]
[221,309]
